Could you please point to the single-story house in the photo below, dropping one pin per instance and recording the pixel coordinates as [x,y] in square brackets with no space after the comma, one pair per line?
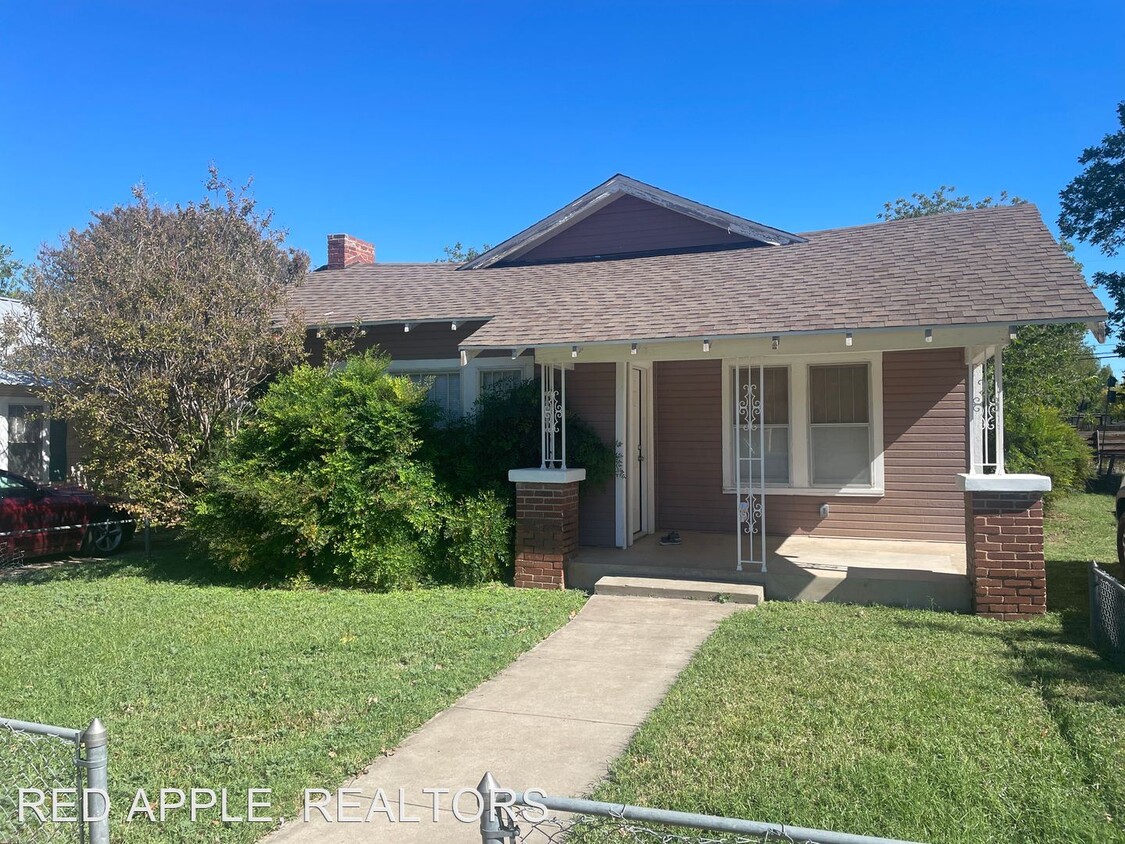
[821,412]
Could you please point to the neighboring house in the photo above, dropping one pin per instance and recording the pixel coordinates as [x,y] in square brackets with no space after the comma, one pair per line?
[31,443]
[821,412]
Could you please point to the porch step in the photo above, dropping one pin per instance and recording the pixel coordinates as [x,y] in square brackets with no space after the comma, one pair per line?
[691,590]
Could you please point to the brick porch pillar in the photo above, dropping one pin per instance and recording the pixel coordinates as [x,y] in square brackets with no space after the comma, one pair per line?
[1004,544]
[546,525]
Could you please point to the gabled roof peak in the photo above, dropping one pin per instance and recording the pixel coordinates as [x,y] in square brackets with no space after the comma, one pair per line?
[612,189]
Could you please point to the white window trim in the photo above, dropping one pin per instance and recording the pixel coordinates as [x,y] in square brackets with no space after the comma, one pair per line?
[471,392]
[5,408]
[800,442]
[470,372]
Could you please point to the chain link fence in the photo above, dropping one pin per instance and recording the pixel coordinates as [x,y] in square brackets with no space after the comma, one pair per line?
[1107,612]
[511,817]
[52,773]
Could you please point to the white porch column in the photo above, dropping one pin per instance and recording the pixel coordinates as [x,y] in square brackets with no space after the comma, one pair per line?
[553,417]
[986,410]
[998,383]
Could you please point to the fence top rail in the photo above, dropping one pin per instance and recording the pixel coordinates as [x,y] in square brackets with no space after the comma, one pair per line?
[714,823]
[1103,575]
[41,729]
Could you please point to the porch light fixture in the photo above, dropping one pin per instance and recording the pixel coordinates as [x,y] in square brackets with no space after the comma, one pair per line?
[848,339]
[776,342]
[633,349]
[929,335]
[1012,329]
[453,326]
[406,326]
[707,345]
[574,351]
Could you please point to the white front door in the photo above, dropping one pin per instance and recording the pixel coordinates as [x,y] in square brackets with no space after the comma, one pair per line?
[637,464]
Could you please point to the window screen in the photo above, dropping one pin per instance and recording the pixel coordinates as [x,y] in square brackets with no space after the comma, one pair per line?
[840,425]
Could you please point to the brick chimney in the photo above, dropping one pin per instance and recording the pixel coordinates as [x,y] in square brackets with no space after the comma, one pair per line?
[345,250]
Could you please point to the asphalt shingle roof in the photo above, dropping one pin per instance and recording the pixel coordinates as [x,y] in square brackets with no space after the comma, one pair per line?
[992,265]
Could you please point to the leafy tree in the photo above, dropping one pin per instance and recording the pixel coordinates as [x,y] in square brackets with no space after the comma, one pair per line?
[459,254]
[11,270]
[1053,366]
[151,329]
[941,201]
[1093,211]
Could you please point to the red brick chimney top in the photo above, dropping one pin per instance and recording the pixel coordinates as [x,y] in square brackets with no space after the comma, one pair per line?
[345,250]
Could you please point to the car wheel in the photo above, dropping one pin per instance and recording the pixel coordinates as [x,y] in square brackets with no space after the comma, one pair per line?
[103,538]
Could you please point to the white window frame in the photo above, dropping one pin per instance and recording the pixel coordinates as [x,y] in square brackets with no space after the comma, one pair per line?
[430,368]
[478,367]
[728,445]
[470,372]
[5,406]
[800,439]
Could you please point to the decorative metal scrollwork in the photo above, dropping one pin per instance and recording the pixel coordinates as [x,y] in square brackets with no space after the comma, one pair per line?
[750,467]
[552,411]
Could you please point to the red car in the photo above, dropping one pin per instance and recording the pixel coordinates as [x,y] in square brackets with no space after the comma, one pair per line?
[38,520]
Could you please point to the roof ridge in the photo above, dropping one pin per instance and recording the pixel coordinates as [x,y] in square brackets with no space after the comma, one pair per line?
[926,218]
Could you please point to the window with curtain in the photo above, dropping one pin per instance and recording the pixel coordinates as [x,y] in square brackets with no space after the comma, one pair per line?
[775,422]
[840,425]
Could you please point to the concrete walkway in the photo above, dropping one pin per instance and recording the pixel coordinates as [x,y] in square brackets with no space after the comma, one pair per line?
[553,720]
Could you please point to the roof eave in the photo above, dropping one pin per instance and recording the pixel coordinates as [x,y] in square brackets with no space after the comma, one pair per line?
[1092,321]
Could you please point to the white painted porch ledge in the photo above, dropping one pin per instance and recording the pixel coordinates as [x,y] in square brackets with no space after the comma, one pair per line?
[1003,483]
[546,476]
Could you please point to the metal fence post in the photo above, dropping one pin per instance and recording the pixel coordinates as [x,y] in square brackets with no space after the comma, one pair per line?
[491,830]
[1093,570]
[96,763]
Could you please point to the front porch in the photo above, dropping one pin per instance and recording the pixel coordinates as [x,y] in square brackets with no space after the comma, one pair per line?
[844,473]
[802,568]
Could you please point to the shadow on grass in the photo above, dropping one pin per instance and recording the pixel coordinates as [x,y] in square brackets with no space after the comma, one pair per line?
[1056,663]
[172,560]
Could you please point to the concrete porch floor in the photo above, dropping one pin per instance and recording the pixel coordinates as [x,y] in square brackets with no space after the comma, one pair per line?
[801,568]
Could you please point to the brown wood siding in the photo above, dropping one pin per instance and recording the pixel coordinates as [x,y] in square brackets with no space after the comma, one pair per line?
[591,390]
[427,341]
[629,225]
[924,435]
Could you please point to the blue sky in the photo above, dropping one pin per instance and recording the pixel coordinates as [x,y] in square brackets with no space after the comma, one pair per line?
[415,125]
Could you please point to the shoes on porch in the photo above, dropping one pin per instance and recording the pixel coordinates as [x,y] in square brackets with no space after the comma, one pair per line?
[672,538]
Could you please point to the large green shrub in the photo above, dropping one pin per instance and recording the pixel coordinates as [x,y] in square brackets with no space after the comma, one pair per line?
[502,432]
[1039,441]
[326,480]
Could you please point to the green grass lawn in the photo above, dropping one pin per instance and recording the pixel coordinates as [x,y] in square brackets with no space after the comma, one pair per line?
[918,725]
[203,681]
